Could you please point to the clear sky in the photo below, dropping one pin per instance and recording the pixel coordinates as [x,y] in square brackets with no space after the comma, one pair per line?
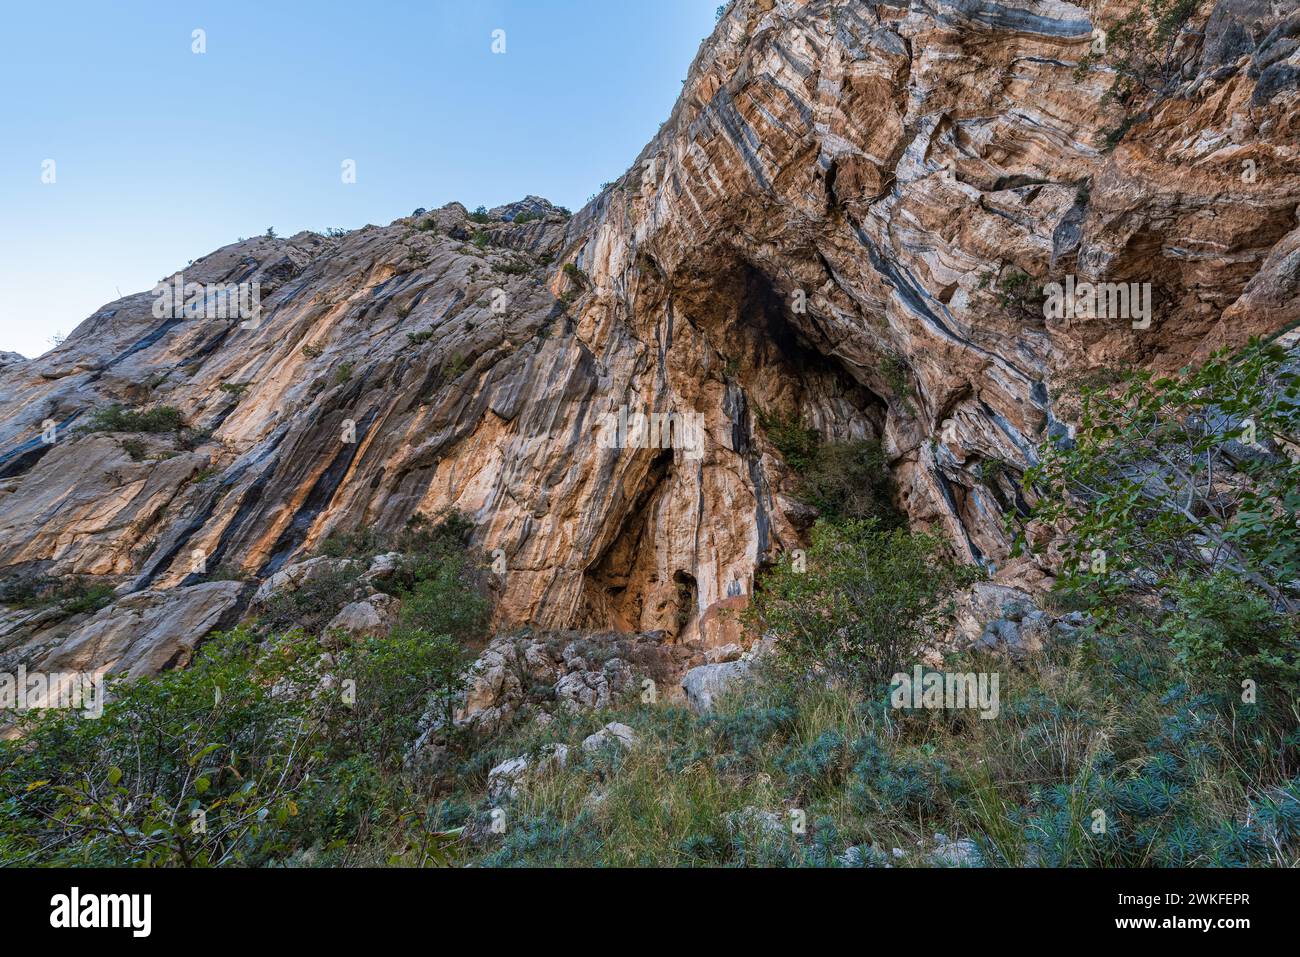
[162,155]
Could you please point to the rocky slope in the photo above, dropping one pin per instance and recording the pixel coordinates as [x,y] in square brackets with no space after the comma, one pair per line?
[843,219]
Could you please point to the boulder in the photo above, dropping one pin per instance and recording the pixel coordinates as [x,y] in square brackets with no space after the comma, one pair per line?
[146,632]
[618,737]
[707,683]
[292,577]
[963,853]
[504,779]
[369,618]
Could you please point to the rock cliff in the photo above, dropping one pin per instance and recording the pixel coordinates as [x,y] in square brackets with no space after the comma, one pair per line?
[847,218]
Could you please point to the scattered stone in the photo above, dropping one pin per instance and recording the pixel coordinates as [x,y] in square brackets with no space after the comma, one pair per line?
[757,821]
[707,683]
[503,780]
[963,853]
[613,735]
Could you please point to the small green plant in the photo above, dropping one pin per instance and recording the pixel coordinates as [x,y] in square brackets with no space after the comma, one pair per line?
[344,372]
[897,375]
[480,216]
[796,442]
[455,367]
[312,352]
[136,449]
[118,418]
[514,267]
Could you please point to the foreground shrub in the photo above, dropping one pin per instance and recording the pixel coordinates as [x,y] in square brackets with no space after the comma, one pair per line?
[866,605]
[1177,507]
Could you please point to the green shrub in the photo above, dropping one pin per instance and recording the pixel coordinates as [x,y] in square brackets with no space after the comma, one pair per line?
[286,750]
[118,418]
[850,480]
[315,601]
[1224,634]
[173,773]
[842,480]
[72,595]
[1177,495]
[136,449]
[866,605]
[796,442]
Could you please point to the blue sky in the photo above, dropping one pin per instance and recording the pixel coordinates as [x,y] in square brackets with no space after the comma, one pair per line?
[162,155]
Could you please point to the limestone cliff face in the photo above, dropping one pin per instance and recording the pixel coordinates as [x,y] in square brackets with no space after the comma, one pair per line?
[836,222]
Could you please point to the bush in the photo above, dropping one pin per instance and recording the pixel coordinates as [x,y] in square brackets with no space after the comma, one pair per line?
[282,749]
[851,480]
[73,595]
[172,773]
[869,601]
[118,418]
[797,443]
[315,602]
[842,480]
[1175,494]
[1223,635]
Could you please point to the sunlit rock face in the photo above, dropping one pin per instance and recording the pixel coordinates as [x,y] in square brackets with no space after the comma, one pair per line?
[842,219]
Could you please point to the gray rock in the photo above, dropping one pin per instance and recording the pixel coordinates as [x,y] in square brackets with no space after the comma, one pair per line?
[504,779]
[729,652]
[293,577]
[614,735]
[963,853]
[860,856]
[370,618]
[707,683]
